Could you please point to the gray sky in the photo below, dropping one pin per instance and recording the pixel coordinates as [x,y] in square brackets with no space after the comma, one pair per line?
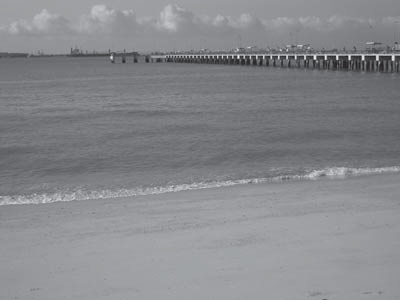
[54,26]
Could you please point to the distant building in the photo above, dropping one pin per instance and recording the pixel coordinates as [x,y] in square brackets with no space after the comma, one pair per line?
[75,51]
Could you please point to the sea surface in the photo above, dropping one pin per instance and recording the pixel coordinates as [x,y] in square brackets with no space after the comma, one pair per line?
[83,128]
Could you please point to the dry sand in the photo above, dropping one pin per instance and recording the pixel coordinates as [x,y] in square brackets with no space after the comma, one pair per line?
[325,239]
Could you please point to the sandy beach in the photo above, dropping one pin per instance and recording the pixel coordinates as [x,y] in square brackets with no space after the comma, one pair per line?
[323,239]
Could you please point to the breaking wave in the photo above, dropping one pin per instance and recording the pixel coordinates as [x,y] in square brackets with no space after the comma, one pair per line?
[79,195]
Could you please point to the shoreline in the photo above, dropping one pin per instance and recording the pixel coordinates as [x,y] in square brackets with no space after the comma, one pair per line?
[314,239]
[334,173]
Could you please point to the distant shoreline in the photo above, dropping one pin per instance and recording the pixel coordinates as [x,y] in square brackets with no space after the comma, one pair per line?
[26,55]
[12,54]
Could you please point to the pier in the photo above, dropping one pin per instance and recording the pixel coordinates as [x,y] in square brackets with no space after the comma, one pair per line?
[124,56]
[367,62]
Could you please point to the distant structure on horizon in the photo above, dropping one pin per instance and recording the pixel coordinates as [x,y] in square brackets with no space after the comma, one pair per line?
[13,54]
[79,52]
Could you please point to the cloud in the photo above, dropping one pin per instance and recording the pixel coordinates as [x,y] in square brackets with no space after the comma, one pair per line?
[44,23]
[174,18]
[178,22]
[245,21]
[104,20]
[315,23]
[392,21]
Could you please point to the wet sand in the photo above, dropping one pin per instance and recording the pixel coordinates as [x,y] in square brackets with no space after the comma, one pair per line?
[324,239]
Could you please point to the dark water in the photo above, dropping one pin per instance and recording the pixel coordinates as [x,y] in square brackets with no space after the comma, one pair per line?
[81,128]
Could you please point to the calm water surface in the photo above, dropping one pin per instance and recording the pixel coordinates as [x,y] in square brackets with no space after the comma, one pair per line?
[82,128]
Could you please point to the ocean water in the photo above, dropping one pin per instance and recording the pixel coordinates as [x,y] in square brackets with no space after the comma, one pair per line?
[82,128]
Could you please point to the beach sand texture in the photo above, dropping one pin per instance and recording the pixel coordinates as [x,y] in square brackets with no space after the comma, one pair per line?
[323,239]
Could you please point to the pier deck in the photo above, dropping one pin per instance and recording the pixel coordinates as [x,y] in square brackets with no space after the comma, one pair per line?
[382,62]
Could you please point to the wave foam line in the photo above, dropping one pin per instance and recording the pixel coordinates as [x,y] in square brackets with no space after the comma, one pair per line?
[342,172]
[80,195]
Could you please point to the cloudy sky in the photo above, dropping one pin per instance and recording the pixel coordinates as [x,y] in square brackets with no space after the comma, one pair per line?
[144,25]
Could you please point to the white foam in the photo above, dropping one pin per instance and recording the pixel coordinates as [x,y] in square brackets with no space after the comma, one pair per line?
[342,172]
[80,195]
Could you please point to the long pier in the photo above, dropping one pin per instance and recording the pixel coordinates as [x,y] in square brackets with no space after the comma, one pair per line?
[368,62]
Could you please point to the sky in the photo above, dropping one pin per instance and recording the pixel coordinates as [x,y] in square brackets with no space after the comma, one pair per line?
[163,25]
